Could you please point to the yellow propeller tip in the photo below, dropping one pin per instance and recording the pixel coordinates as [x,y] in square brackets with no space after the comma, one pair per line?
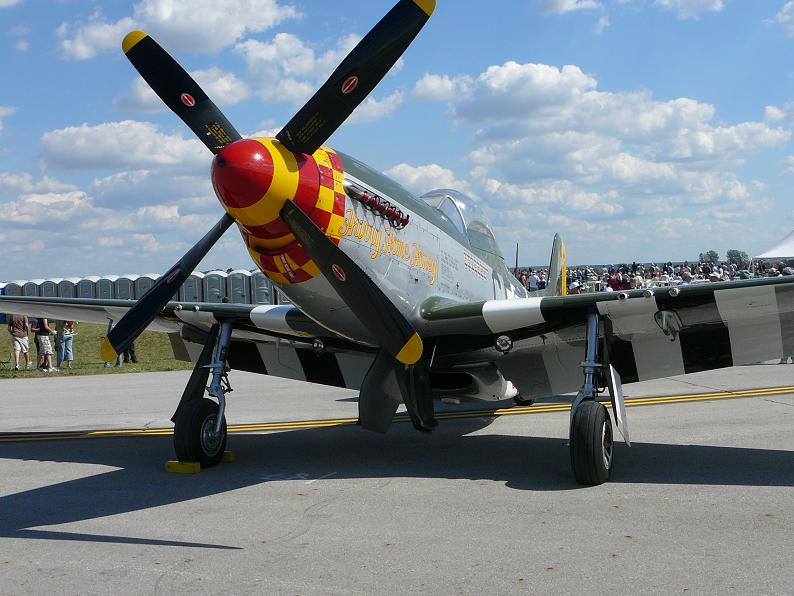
[107,353]
[427,5]
[131,39]
[411,352]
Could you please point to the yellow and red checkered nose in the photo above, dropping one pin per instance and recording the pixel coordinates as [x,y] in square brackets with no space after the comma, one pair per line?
[254,177]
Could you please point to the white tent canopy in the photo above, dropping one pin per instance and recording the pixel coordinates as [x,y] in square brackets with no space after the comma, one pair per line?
[782,250]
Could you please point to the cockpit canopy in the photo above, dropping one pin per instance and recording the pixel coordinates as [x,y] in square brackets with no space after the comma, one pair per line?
[466,216]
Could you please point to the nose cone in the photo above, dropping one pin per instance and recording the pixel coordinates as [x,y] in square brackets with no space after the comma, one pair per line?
[242,173]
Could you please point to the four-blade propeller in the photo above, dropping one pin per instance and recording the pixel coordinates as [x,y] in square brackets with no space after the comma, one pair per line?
[347,87]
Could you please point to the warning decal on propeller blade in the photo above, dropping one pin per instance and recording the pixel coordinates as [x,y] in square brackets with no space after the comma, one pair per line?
[173,275]
[339,273]
[349,85]
[187,99]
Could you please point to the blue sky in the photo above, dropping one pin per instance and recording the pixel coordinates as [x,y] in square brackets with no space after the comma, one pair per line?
[639,129]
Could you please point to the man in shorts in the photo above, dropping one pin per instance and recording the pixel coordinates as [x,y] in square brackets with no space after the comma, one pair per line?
[44,332]
[19,328]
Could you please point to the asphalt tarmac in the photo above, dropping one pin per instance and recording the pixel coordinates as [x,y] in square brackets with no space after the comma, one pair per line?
[703,502]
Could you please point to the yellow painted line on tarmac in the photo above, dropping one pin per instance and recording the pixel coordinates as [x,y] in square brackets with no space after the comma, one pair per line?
[540,408]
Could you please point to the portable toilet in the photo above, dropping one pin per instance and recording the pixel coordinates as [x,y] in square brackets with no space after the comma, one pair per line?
[32,287]
[125,286]
[86,287]
[192,290]
[261,288]
[214,285]
[67,288]
[2,316]
[143,283]
[14,288]
[238,285]
[281,298]
[49,287]
[106,287]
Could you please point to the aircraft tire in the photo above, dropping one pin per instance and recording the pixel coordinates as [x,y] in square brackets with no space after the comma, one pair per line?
[591,443]
[193,439]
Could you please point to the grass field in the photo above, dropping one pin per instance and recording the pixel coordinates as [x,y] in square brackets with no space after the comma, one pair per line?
[153,350]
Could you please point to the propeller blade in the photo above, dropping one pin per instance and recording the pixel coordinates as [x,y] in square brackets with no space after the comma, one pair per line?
[390,328]
[139,316]
[356,76]
[179,91]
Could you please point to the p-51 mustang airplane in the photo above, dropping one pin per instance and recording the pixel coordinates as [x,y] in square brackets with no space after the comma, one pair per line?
[401,297]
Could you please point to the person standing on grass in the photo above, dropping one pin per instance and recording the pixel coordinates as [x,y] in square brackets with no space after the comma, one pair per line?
[130,355]
[34,328]
[44,332]
[19,327]
[64,336]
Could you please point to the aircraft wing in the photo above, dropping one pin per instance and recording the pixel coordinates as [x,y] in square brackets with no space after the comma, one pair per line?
[285,320]
[645,334]
[267,339]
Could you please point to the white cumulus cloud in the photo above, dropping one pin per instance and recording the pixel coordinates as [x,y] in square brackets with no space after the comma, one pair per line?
[85,41]
[563,6]
[442,87]
[126,144]
[374,109]
[197,26]
[5,111]
[602,24]
[286,69]
[421,179]
[691,9]
[223,88]
[785,18]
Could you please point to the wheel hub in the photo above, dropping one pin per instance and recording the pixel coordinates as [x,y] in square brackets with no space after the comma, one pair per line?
[210,441]
[606,445]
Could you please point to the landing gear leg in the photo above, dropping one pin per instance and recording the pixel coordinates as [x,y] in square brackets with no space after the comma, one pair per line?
[591,427]
[199,423]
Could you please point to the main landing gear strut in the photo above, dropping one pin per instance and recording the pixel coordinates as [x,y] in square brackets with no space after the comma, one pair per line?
[591,441]
[199,422]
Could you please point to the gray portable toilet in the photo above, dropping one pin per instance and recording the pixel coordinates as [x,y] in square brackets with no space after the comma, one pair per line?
[32,287]
[49,287]
[14,288]
[86,287]
[125,286]
[281,297]
[67,288]
[261,288]
[214,285]
[238,285]
[143,283]
[106,287]
[192,290]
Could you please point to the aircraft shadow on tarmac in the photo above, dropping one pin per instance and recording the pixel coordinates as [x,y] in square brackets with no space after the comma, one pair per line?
[524,463]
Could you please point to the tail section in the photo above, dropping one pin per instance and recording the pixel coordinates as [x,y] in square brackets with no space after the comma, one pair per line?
[557,284]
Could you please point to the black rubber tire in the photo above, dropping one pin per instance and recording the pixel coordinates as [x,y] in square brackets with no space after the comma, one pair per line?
[591,443]
[521,401]
[191,442]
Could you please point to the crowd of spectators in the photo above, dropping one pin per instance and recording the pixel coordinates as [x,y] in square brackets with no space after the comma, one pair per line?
[614,278]
[20,327]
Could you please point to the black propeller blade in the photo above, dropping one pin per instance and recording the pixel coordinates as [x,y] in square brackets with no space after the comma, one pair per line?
[393,332]
[179,91]
[139,316]
[356,77]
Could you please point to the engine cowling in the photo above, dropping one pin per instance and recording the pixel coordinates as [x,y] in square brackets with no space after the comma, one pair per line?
[253,178]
